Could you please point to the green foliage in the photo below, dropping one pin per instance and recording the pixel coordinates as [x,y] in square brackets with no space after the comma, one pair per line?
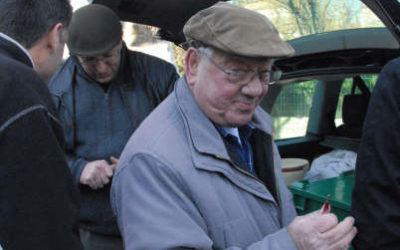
[179,55]
[294,100]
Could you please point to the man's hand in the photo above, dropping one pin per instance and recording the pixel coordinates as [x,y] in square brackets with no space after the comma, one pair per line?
[114,162]
[322,231]
[98,173]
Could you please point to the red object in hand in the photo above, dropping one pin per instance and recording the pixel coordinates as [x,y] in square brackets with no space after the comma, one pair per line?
[326,207]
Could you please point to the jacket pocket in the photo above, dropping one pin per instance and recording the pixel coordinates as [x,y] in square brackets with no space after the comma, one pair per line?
[239,233]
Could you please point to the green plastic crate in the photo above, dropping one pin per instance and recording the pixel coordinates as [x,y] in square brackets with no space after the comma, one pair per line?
[309,197]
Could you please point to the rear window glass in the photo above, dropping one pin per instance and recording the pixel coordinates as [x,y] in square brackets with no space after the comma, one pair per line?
[290,113]
[369,81]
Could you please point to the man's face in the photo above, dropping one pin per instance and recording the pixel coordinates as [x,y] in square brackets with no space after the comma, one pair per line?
[48,53]
[229,98]
[102,68]
[59,51]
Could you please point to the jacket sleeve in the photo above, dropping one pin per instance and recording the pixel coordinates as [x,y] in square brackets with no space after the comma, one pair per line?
[39,203]
[64,109]
[376,194]
[60,87]
[287,204]
[147,195]
[164,85]
[76,165]
[173,77]
[159,75]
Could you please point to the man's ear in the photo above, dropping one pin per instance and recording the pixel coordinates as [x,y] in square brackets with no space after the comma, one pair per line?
[192,61]
[54,37]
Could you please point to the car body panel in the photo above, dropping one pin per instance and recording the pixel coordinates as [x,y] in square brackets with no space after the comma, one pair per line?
[169,15]
[388,11]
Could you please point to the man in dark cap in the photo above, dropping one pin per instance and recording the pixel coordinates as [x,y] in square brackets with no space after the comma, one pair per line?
[103,92]
[202,170]
[39,202]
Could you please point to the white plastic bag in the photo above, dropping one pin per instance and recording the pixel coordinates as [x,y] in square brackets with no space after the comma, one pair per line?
[331,165]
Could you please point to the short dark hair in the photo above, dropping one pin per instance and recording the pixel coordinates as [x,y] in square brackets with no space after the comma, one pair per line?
[27,21]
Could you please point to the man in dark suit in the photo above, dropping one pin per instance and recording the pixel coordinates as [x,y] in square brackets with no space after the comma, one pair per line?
[38,201]
[376,193]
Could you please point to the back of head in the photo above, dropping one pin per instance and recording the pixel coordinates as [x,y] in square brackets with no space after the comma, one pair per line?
[236,30]
[95,29]
[27,21]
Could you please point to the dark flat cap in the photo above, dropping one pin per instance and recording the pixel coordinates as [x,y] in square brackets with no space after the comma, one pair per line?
[94,30]
[237,30]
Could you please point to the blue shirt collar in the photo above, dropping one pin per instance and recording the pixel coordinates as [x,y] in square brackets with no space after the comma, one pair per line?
[245,131]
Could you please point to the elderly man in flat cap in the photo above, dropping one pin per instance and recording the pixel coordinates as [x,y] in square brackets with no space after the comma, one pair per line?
[202,170]
[103,92]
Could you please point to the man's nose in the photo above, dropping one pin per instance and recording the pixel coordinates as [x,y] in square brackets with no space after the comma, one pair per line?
[255,87]
[101,65]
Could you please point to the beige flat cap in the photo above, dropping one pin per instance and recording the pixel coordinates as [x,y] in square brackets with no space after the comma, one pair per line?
[238,31]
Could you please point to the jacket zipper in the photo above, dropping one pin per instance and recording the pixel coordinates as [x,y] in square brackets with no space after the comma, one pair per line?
[257,179]
[278,193]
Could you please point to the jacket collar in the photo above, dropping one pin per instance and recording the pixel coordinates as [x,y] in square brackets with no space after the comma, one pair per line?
[205,136]
[209,152]
[15,50]
[201,131]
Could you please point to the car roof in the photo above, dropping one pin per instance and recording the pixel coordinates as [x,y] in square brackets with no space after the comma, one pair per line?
[168,15]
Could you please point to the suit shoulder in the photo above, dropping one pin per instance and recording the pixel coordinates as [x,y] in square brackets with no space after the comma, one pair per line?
[16,76]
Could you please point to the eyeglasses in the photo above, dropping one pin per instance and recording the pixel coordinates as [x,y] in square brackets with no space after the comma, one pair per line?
[242,77]
[108,57]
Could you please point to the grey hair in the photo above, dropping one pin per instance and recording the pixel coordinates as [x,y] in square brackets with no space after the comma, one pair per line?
[208,51]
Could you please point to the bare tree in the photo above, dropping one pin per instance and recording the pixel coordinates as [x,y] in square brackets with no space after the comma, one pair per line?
[296,18]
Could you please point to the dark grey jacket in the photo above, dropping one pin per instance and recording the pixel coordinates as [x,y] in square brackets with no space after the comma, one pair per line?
[142,83]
